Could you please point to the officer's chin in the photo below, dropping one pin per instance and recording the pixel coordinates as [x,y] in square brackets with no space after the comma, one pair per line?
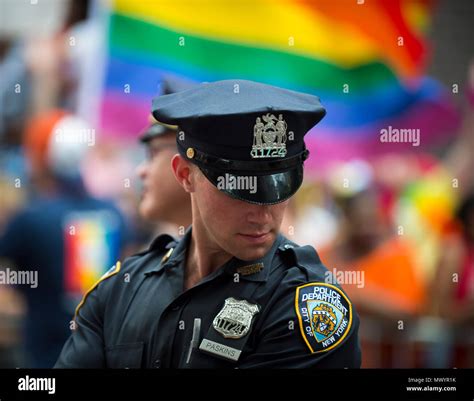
[254,248]
[147,209]
[143,210]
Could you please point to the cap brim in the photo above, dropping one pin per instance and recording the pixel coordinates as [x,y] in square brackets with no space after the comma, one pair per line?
[258,189]
[154,131]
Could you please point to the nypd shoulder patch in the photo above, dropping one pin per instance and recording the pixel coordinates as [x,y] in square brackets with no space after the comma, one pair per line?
[324,314]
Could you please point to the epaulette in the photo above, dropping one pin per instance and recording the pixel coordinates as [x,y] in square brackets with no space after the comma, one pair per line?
[301,256]
[160,244]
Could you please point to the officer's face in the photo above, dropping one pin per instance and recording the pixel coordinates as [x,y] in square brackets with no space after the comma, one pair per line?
[238,228]
[162,197]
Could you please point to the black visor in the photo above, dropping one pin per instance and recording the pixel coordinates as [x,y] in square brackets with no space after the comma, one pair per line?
[259,189]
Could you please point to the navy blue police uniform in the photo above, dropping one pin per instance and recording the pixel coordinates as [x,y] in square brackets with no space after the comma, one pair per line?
[281,311]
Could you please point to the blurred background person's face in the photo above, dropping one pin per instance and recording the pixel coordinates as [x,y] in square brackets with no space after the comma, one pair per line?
[364,223]
[162,198]
[466,218]
[470,225]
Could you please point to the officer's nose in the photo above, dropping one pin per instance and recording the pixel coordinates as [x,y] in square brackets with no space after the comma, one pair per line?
[140,170]
[259,214]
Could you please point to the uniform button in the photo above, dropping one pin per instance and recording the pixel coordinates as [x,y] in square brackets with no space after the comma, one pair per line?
[157,364]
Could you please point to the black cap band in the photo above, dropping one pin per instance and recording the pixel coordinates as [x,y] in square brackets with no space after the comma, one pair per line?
[258,166]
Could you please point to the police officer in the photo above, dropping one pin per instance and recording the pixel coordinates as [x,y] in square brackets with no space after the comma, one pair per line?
[162,200]
[233,292]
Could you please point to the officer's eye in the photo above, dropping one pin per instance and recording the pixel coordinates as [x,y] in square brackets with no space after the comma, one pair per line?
[153,151]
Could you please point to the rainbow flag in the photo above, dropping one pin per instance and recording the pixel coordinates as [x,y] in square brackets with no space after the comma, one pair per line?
[365,59]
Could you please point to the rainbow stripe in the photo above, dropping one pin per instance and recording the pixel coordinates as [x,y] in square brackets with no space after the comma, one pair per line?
[365,61]
[92,246]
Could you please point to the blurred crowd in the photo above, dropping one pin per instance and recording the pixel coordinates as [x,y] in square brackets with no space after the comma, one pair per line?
[397,231]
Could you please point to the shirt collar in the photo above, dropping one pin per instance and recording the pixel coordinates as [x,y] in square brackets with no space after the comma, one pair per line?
[256,270]
[176,252]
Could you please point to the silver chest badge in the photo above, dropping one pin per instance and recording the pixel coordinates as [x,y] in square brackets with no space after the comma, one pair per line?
[235,318]
[269,138]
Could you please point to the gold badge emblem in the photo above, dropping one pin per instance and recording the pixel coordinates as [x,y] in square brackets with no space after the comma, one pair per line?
[250,269]
[324,319]
[269,137]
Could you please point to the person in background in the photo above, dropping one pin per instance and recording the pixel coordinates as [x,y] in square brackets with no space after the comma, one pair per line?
[367,243]
[63,236]
[163,200]
[454,286]
[374,264]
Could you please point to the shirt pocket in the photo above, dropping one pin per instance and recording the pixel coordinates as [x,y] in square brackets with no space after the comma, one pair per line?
[125,356]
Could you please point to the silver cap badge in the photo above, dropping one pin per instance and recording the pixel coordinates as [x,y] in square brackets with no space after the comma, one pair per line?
[269,139]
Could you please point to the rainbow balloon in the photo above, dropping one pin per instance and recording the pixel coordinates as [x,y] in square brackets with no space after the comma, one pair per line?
[364,59]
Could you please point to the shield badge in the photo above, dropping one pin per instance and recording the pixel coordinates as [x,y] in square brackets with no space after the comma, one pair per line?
[324,319]
[235,318]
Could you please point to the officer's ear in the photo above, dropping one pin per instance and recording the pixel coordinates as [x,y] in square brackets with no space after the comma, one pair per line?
[185,172]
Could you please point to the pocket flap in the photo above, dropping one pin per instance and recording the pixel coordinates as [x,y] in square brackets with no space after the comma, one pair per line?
[125,356]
